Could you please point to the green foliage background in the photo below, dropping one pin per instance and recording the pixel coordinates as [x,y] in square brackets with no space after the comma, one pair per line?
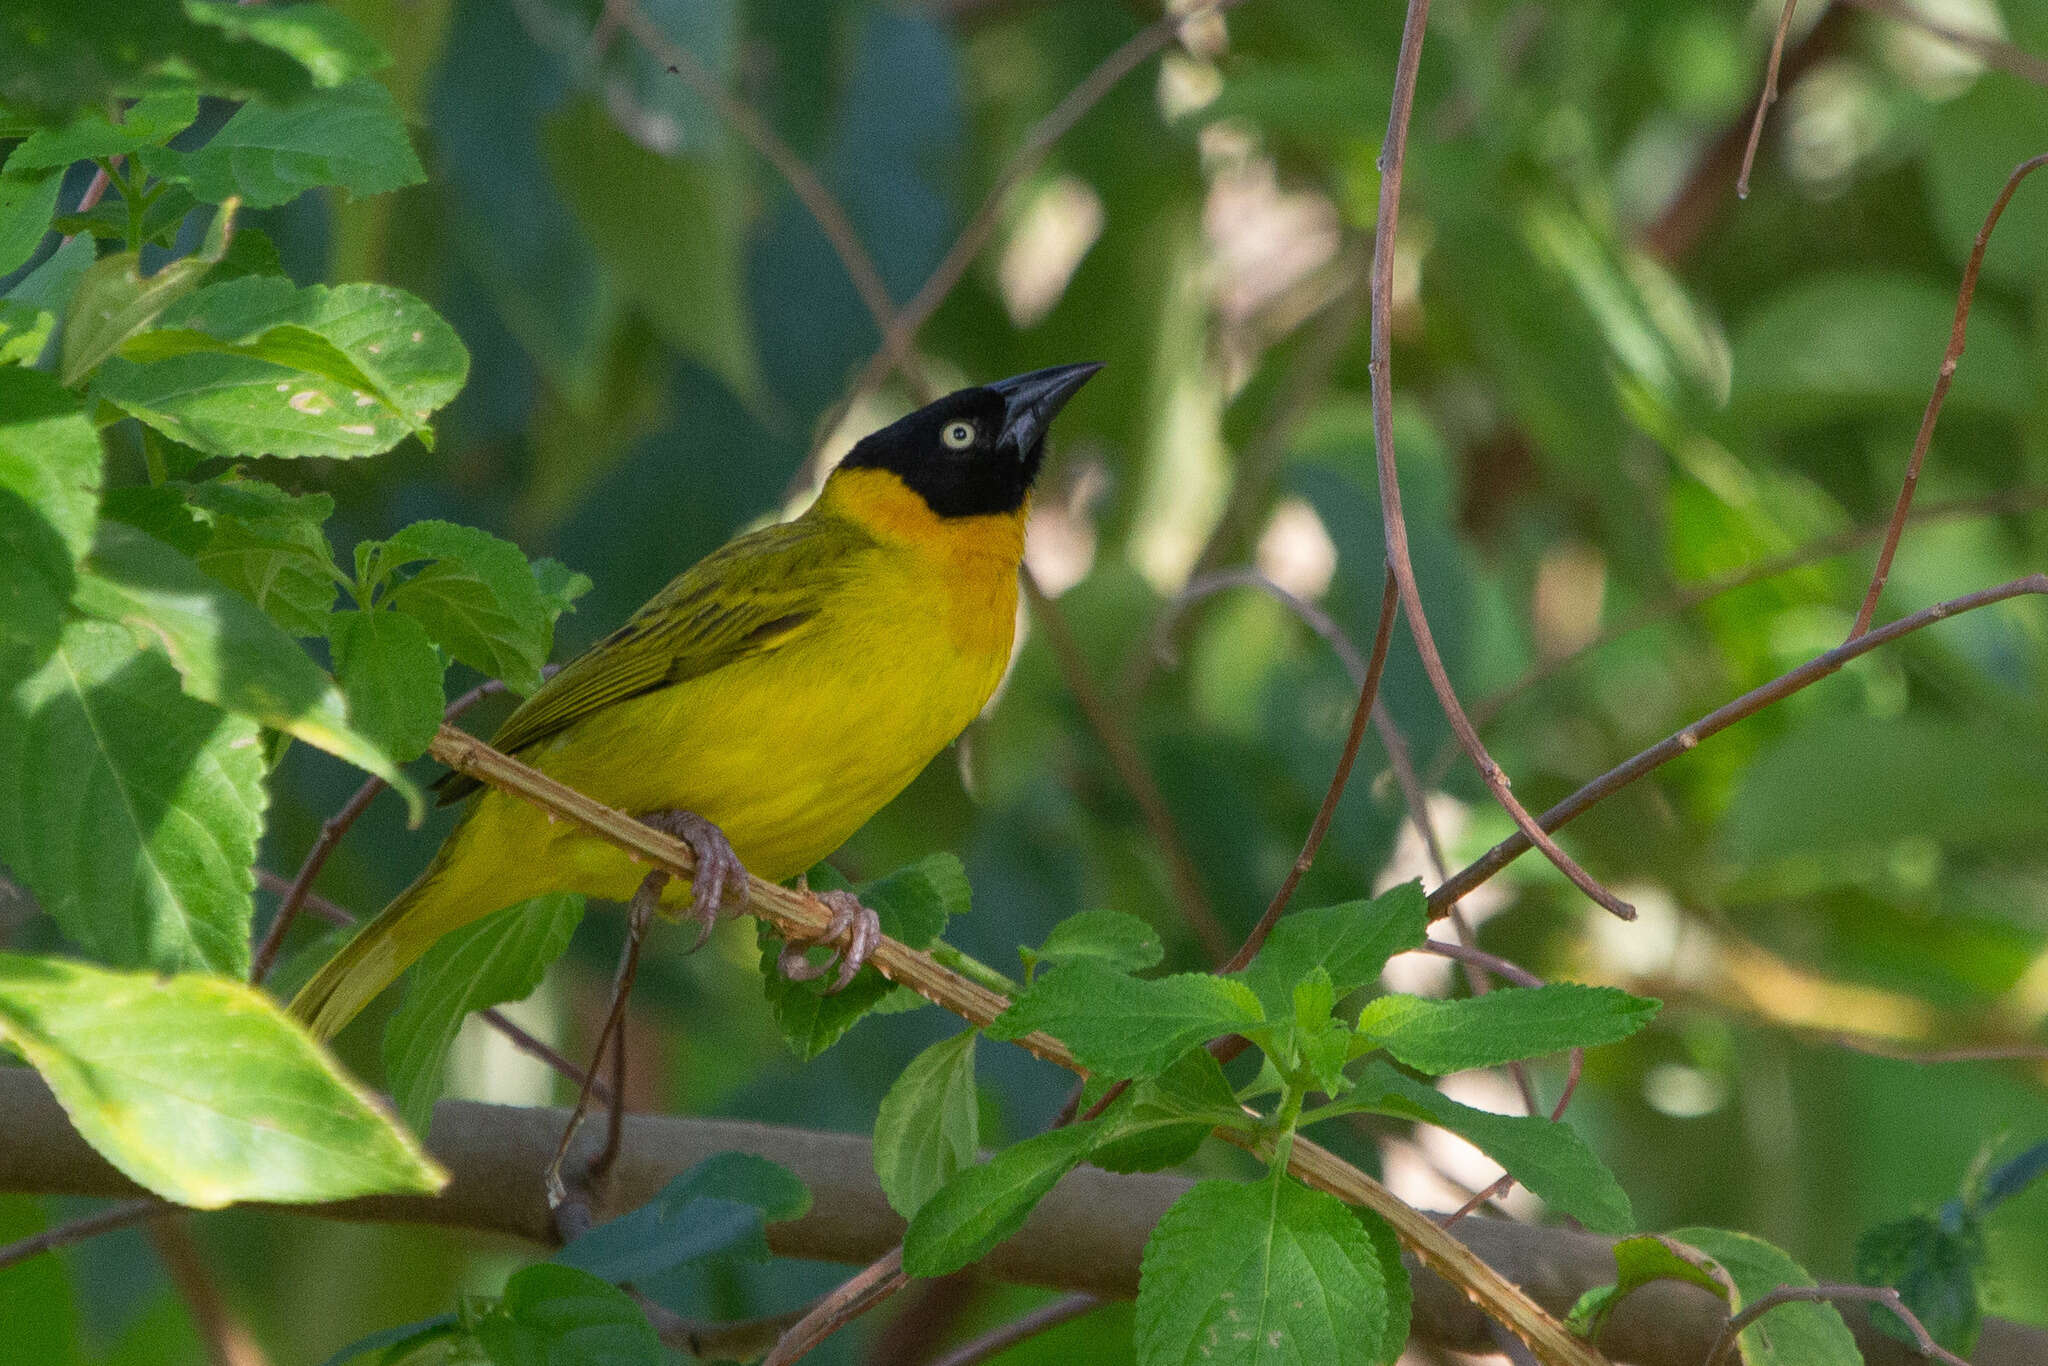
[1601,403]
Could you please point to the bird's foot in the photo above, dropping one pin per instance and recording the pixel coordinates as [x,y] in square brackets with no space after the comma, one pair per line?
[719,888]
[854,930]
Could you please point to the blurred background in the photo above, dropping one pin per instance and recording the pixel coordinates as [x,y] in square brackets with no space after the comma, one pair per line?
[1620,390]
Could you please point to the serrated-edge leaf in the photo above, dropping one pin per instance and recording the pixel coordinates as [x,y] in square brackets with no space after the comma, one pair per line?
[1122,1026]
[1264,1274]
[131,810]
[225,650]
[1544,1155]
[1505,1025]
[928,1126]
[153,1093]
[983,1205]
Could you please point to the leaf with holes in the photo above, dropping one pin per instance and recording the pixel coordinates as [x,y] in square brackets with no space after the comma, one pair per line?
[257,366]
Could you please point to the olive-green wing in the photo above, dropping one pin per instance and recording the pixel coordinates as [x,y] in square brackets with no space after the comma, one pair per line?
[752,595]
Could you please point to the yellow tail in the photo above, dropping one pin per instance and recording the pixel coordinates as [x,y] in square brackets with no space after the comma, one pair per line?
[372,960]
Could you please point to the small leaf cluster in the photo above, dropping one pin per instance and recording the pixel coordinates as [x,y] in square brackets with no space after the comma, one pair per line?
[1935,1261]
[574,1308]
[1272,1270]
[155,626]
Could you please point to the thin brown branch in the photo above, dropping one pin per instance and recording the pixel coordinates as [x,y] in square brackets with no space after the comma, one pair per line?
[227,1339]
[84,1227]
[1040,1320]
[1687,737]
[858,1294]
[1991,51]
[1131,769]
[1393,158]
[1765,100]
[1821,1294]
[1943,378]
[1368,698]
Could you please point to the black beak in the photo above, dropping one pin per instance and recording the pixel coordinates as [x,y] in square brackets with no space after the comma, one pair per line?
[1031,401]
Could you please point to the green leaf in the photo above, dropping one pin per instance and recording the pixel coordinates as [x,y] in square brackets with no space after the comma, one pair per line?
[1638,1261]
[226,651]
[929,1124]
[1505,1025]
[157,117]
[321,38]
[983,1205]
[397,1344]
[1839,344]
[163,216]
[58,59]
[718,1208]
[201,1089]
[559,586]
[1547,1157]
[690,286]
[1837,790]
[1934,1265]
[129,809]
[1121,1026]
[559,1316]
[267,545]
[24,331]
[475,595]
[49,494]
[1386,1245]
[1266,1274]
[114,301]
[491,961]
[391,676]
[27,203]
[913,904]
[351,138]
[47,291]
[1123,941]
[1162,1120]
[919,898]
[256,366]
[1790,1334]
[1351,942]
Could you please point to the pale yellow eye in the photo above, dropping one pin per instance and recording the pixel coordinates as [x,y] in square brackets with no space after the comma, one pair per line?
[958,435]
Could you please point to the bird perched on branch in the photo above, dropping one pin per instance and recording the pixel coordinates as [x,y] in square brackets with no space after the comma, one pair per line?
[766,703]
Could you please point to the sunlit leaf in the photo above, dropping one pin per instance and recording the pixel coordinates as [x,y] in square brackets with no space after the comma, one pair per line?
[200,1089]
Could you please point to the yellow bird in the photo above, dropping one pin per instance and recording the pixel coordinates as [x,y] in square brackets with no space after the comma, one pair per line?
[768,701]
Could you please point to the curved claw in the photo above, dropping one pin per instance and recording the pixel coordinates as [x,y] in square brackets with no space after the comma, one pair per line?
[853,929]
[719,888]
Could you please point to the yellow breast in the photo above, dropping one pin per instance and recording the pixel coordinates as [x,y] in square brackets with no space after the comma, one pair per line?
[792,750]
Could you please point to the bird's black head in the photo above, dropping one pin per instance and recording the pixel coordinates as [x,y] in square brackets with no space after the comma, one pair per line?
[976,451]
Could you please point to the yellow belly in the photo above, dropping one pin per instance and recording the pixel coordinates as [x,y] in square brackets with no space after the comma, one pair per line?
[788,752]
